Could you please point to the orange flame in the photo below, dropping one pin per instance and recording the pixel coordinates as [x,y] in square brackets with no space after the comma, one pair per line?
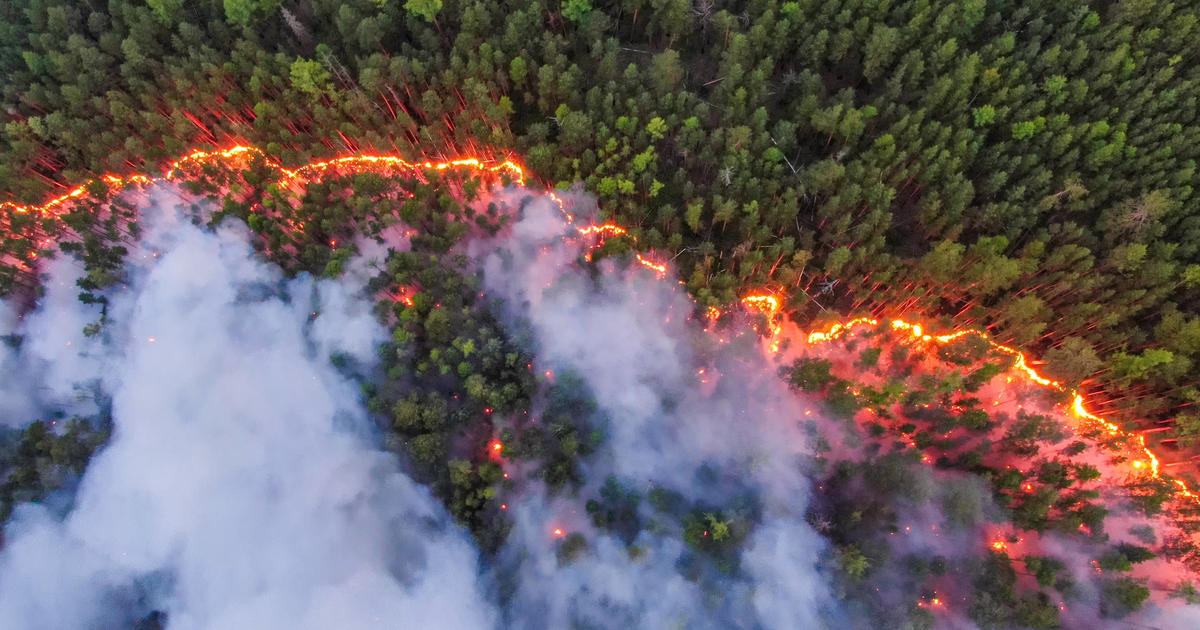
[607,228]
[660,269]
[1142,457]
[763,303]
[768,305]
[305,173]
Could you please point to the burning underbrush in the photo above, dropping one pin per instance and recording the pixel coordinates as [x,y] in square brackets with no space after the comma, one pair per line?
[620,456]
[990,460]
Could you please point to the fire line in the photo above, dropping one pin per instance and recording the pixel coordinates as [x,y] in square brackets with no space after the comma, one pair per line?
[764,303]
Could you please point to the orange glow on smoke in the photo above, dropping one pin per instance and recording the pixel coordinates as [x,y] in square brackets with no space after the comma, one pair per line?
[1142,460]
[1143,457]
[497,446]
[1000,545]
[558,533]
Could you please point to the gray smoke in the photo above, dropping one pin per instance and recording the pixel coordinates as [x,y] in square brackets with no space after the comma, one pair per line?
[241,487]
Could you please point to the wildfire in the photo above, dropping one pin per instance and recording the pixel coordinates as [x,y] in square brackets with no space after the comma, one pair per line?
[607,229]
[497,446]
[308,172]
[768,305]
[1000,545]
[934,602]
[1142,457]
[660,269]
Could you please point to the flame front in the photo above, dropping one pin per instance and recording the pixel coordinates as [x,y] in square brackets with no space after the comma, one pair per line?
[767,304]
[1142,457]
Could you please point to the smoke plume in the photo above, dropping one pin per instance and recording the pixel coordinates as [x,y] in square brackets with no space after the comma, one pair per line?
[710,423]
[242,487]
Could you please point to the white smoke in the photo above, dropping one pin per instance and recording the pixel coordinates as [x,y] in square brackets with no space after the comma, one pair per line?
[629,336]
[240,488]
[53,365]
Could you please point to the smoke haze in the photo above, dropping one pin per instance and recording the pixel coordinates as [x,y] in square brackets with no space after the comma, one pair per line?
[676,408]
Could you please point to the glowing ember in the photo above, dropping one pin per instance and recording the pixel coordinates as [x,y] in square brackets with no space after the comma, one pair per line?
[558,533]
[1000,545]
[933,603]
[497,446]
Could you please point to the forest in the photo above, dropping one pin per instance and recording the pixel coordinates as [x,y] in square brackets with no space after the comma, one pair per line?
[1026,169]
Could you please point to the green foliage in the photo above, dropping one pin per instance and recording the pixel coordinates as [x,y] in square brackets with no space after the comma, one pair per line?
[853,563]
[517,70]
[811,375]
[1122,596]
[984,115]
[576,10]
[657,128]
[165,10]
[425,9]
[1045,569]
[1187,592]
[242,12]
[311,77]
[43,458]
